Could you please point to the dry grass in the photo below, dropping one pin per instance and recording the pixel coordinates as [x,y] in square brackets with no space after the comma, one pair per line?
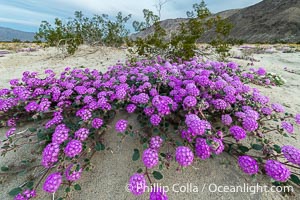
[20,46]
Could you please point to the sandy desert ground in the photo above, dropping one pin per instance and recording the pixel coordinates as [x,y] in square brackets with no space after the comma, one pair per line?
[114,167]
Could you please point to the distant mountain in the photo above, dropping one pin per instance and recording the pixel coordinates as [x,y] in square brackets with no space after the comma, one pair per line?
[8,34]
[267,21]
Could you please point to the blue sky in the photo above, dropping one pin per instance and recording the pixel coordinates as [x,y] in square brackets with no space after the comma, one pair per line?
[26,15]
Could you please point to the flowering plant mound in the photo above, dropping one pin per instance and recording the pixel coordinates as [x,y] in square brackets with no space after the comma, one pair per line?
[208,106]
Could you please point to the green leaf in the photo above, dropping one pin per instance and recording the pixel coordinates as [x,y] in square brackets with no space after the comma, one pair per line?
[99,146]
[161,167]
[266,141]
[145,146]
[77,187]
[163,155]
[277,148]
[243,149]
[15,191]
[257,147]
[260,160]
[22,172]
[178,143]
[167,124]
[4,169]
[157,175]
[30,184]
[229,148]
[276,183]
[32,129]
[140,170]
[68,189]
[155,130]
[295,179]
[41,135]
[136,155]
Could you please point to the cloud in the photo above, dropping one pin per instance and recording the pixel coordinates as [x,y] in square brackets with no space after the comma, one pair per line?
[31,12]
[17,21]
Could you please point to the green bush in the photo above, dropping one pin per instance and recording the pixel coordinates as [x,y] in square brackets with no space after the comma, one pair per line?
[183,42]
[99,29]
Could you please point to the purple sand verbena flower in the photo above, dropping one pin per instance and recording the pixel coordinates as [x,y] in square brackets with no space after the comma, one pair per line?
[52,182]
[150,158]
[158,193]
[155,142]
[292,154]
[73,148]
[184,156]
[137,184]
[121,125]
[202,149]
[72,174]
[248,165]
[237,132]
[287,126]
[277,171]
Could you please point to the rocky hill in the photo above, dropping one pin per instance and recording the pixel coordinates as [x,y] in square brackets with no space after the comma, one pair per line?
[8,34]
[267,21]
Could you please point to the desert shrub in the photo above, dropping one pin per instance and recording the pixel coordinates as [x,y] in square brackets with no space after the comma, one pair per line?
[187,110]
[16,40]
[150,19]
[182,43]
[233,41]
[100,29]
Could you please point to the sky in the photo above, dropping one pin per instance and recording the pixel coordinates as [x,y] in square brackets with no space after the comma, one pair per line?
[26,15]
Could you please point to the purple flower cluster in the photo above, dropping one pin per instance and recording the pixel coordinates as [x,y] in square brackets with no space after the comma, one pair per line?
[287,126]
[72,174]
[248,164]
[52,182]
[121,125]
[217,146]
[84,114]
[150,158]
[196,125]
[261,71]
[11,122]
[97,123]
[131,108]
[26,195]
[137,184]
[60,134]
[189,101]
[155,120]
[155,142]
[297,118]
[277,171]
[50,155]
[73,148]
[292,154]
[277,107]
[82,134]
[266,111]
[226,119]
[31,106]
[184,156]
[10,132]
[249,124]
[158,193]
[238,132]
[219,104]
[202,149]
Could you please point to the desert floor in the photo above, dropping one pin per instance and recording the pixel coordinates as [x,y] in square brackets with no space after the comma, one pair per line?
[112,168]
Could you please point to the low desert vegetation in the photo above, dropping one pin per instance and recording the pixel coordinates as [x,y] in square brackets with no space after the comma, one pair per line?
[188,109]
